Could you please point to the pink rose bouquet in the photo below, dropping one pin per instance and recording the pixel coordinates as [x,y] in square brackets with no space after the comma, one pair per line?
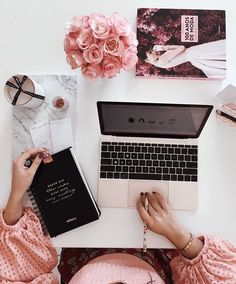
[100,45]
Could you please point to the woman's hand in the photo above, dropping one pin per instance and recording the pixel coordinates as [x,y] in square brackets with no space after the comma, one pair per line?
[158,47]
[152,57]
[159,219]
[22,178]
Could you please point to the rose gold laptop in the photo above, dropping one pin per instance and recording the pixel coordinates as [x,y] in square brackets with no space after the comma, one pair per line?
[149,147]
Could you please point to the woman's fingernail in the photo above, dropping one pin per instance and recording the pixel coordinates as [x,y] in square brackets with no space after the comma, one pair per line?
[32,156]
[146,193]
[141,193]
[153,192]
[41,155]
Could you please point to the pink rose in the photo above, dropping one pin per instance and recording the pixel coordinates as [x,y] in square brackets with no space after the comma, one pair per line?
[70,44]
[91,72]
[76,23]
[75,59]
[100,45]
[114,46]
[100,26]
[85,21]
[120,24]
[111,66]
[129,58]
[130,39]
[85,39]
[94,54]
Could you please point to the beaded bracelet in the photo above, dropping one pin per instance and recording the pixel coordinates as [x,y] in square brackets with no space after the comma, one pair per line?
[189,243]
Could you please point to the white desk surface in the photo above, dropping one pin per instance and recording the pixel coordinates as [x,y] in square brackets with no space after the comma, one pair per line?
[31,42]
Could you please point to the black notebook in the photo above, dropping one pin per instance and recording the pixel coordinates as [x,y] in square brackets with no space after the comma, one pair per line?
[60,195]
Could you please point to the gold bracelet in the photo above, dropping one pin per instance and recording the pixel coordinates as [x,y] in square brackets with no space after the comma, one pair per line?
[189,243]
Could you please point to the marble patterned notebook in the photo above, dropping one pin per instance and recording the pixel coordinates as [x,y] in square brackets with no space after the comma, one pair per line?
[24,118]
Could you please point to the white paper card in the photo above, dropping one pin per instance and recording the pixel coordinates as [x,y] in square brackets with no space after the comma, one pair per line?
[41,135]
[61,134]
[226,96]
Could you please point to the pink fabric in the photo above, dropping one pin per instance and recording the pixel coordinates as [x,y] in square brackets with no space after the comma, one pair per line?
[26,255]
[216,263]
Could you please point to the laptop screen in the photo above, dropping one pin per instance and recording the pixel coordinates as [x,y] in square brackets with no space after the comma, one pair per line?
[152,120]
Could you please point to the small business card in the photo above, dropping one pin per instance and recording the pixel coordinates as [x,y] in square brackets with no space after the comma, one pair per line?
[41,135]
[55,135]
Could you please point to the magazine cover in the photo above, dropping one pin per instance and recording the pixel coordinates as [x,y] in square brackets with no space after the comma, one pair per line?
[181,43]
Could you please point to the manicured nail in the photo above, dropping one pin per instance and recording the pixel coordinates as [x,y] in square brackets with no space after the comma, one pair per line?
[32,156]
[41,155]
[153,192]
[146,193]
[141,193]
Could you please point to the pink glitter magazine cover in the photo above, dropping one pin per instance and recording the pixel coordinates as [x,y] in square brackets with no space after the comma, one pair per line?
[181,43]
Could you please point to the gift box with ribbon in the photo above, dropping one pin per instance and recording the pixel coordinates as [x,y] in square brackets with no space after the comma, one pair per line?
[20,90]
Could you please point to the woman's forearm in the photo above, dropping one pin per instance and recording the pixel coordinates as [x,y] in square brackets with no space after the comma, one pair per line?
[171,54]
[180,238]
[13,210]
[172,47]
[158,47]
[21,180]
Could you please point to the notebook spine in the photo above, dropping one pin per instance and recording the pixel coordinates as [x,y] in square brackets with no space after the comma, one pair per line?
[38,211]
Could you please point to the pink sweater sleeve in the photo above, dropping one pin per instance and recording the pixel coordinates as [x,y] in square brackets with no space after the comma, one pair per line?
[216,264]
[26,255]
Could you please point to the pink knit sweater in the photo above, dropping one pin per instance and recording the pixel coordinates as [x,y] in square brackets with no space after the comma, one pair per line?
[27,256]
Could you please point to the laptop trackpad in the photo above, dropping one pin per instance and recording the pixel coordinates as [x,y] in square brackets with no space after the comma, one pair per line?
[138,186]
[183,195]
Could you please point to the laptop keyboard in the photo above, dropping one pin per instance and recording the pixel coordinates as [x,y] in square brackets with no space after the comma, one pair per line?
[149,161]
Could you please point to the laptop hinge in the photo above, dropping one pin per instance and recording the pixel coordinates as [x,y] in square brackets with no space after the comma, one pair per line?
[110,138]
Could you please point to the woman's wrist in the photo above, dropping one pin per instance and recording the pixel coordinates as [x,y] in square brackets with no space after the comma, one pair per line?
[178,237]
[13,210]
[16,194]
[193,249]
[188,245]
